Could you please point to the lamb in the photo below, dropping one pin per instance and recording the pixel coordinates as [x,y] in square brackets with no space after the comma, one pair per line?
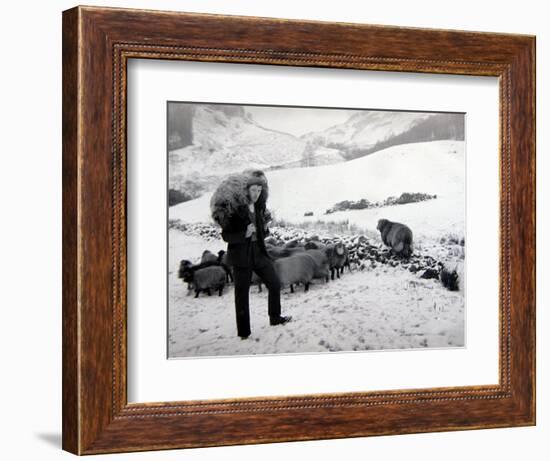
[397,236]
[337,254]
[206,278]
[299,268]
[321,264]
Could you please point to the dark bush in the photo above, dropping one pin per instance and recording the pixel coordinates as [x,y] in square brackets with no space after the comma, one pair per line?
[176,196]
[449,279]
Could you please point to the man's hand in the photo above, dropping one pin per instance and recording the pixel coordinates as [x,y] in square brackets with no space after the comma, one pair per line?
[250,229]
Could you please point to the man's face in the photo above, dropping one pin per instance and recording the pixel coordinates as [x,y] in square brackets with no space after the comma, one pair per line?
[254,192]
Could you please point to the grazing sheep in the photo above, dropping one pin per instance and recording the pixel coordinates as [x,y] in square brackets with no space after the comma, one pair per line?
[222,261]
[299,268]
[321,264]
[206,278]
[282,252]
[314,245]
[208,256]
[397,236]
[295,250]
[276,252]
[337,254]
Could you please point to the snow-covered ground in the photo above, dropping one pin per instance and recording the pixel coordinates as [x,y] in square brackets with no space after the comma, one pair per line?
[434,168]
[375,309]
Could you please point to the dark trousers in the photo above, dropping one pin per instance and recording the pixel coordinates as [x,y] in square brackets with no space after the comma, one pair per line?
[264,268]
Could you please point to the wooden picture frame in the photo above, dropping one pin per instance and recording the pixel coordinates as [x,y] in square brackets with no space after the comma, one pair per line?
[97,43]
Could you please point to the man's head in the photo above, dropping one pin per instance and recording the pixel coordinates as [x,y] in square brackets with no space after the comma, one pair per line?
[255,184]
[254,192]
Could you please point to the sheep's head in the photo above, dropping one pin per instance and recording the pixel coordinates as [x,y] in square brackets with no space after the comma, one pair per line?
[184,266]
[381,224]
[187,276]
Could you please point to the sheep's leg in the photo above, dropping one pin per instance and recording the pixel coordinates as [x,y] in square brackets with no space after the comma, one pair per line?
[332,274]
[208,292]
[306,286]
[197,293]
[259,287]
[220,291]
[291,288]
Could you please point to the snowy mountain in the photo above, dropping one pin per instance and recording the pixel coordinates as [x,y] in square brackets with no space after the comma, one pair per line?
[225,142]
[208,141]
[436,167]
[369,131]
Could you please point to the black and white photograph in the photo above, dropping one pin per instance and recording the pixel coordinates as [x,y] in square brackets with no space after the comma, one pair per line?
[313,229]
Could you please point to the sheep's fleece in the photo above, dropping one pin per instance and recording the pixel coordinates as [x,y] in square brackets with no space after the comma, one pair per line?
[231,197]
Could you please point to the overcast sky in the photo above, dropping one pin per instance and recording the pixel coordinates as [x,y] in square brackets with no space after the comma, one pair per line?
[297,120]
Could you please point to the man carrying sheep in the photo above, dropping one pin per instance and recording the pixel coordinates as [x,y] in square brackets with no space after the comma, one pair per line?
[239,206]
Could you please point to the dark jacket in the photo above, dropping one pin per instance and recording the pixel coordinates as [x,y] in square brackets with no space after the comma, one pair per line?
[234,231]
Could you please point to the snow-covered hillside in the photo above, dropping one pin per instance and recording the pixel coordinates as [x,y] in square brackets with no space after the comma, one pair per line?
[367,128]
[436,167]
[224,143]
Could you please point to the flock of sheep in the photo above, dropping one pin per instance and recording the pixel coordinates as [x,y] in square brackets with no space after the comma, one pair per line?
[295,263]
[300,260]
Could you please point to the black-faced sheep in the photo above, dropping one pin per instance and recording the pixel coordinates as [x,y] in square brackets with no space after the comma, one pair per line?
[299,268]
[185,265]
[321,264]
[397,236]
[337,254]
[206,278]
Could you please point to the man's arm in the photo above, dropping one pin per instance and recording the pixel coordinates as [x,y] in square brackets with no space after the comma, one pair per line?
[234,231]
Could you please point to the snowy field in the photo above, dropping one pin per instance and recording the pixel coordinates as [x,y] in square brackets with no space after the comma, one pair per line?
[378,308]
[385,306]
